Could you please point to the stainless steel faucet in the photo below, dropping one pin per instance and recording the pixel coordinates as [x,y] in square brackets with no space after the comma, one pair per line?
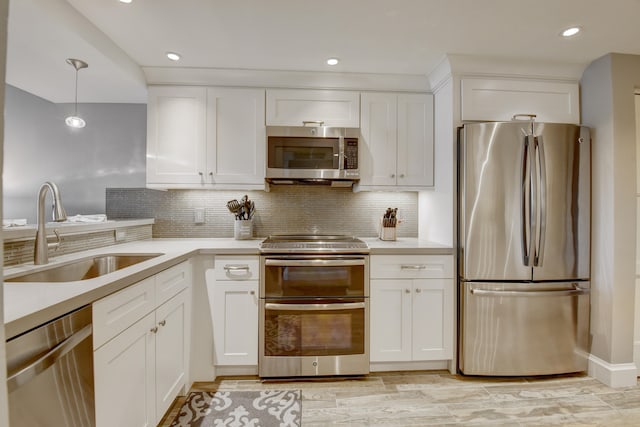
[40,253]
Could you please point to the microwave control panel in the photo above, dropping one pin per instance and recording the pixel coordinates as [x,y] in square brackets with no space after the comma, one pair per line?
[350,153]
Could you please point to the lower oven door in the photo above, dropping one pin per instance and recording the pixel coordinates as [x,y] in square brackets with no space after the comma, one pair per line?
[313,338]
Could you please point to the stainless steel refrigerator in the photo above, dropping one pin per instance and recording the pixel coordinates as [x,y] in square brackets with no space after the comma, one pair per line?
[524,219]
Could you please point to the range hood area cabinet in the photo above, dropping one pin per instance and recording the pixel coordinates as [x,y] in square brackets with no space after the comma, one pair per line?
[397,143]
[205,137]
[304,107]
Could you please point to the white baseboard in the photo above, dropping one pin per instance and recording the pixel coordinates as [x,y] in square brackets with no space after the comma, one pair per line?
[231,371]
[614,375]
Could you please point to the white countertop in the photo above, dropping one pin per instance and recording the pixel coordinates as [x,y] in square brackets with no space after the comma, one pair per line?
[27,305]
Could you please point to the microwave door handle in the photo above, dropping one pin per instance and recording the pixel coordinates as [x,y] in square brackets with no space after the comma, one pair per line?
[314,307]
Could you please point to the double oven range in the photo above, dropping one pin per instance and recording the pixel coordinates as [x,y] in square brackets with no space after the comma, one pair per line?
[314,306]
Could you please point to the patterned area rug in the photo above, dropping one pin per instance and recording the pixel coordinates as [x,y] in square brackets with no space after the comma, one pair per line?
[266,408]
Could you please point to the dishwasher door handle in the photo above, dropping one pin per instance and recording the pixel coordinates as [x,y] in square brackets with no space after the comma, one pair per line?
[27,373]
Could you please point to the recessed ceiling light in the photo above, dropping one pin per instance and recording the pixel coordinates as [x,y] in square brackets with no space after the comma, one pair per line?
[173,56]
[332,61]
[570,31]
[126,1]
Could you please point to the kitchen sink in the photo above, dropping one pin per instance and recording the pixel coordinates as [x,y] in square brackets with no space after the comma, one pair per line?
[83,269]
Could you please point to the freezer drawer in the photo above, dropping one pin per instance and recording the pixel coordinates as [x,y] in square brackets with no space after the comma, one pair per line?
[523,328]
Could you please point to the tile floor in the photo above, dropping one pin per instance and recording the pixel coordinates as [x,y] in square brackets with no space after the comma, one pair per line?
[436,398]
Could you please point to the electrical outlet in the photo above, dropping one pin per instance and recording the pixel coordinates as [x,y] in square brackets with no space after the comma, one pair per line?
[198,215]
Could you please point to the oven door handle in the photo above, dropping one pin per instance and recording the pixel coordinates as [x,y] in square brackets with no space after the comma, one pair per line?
[314,307]
[314,262]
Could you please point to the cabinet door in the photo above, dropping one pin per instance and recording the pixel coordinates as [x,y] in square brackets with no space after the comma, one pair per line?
[432,322]
[170,351]
[124,378]
[235,322]
[236,136]
[176,138]
[379,139]
[390,320]
[500,100]
[290,107]
[415,140]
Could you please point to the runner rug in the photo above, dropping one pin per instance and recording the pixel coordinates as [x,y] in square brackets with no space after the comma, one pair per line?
[266,408]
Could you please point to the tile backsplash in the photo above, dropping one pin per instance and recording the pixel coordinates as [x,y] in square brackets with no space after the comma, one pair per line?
[284,209]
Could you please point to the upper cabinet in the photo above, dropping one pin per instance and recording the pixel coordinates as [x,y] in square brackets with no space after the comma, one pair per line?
[291,107]
[501,99]
[200,137]
[396,143]
[176,135]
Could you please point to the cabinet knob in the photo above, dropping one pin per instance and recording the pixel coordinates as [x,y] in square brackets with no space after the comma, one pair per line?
[418,290]
[407,291]
[154,330]
[200,173]
[162,322]
[252,292]
[393,175]
[401,175]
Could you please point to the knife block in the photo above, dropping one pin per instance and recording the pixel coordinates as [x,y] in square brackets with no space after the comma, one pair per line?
[387,233]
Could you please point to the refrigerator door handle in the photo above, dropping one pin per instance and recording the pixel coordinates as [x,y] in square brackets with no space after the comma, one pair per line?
[577,290]
[542,200]
[527,208]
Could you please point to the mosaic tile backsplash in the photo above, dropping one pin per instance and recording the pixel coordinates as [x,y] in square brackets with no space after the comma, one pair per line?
[284,209]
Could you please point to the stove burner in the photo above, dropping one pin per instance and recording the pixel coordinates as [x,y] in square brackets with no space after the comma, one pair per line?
[317,243]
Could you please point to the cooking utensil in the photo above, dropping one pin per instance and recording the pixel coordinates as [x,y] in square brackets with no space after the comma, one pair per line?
[234,207]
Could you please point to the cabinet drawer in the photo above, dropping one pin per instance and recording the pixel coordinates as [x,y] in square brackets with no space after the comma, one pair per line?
[411,266]
[171,281]
[236,268]
[115,313]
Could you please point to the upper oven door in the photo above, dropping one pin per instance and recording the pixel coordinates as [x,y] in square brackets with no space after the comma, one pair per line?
[317,277]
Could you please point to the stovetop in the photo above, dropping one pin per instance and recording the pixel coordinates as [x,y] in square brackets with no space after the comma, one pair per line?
[316,243]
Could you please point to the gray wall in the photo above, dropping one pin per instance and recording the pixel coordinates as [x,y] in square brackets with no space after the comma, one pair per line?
[109,152]
[608,87]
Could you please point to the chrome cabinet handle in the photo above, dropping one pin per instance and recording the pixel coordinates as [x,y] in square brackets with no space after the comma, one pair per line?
[312,122]
[162,322]
[413,267]
[242,267]
[27,373]
[526,116]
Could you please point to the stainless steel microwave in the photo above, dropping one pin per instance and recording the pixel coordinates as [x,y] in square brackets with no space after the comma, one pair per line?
[312,154]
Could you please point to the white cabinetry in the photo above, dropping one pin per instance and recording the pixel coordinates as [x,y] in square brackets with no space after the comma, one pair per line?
[176,135]
[500,99]
[412,308]
[397,141]
[291,107]
[233,298]
[200,137]
[141,349]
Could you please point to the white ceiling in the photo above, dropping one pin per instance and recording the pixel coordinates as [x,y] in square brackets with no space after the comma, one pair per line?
[408,37]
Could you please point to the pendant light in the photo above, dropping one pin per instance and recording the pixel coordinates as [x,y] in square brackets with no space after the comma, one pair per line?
[76,121]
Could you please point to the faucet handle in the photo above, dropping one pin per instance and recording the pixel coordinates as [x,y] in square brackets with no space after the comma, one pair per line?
[55,245]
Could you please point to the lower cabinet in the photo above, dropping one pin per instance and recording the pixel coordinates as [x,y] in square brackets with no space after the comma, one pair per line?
[233,298]
[140,371]
[412,308]
[235,323]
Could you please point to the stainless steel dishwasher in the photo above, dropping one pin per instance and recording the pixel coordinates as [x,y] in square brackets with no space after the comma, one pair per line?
[50,374]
